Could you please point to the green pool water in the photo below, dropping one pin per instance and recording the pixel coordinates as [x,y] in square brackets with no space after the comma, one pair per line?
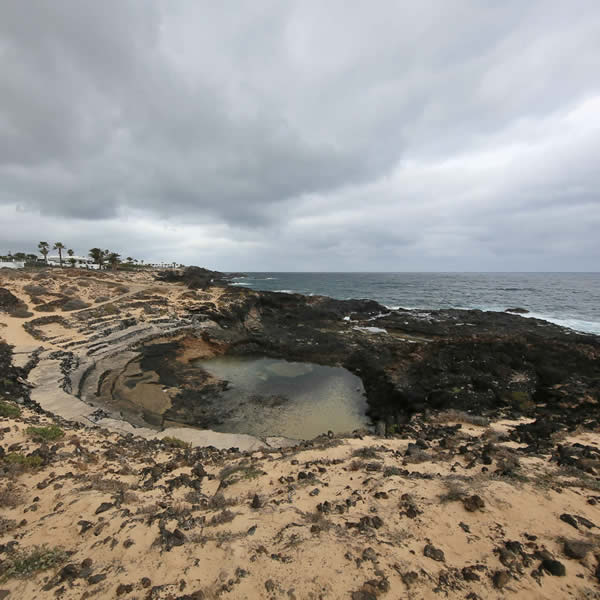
[272,397]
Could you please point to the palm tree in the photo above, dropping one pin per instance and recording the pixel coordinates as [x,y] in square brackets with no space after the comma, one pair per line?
[60,247]
[44,248]
[114,259]
[97,255]
[71,259]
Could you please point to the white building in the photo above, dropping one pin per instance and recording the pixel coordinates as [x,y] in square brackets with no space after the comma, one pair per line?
[81,262]
[12,265]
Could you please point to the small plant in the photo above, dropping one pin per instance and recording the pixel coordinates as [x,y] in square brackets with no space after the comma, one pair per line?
[236,472]
[357,465]
[366,452]
[10,496]
[26,562]
[32,461]
[455,491]
[46,434]
[174,442]
[75,304]
[9,410]
[225,516]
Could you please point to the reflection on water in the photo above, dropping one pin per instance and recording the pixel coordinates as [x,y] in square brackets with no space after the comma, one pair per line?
[270,397]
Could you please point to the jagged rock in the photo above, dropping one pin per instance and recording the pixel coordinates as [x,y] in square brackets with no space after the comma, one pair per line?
[94,579]
[473,503]
[434,553]
[576,549]
[104,507]
[554,567]
[124,588]
[500,579]
[469,574]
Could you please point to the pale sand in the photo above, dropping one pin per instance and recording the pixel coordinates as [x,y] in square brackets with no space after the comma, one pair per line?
[293,550]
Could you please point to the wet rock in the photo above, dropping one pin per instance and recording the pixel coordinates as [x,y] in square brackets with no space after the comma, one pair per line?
[145,582]
[575,549]
[500,579]
[554,567]
[473,503]
[434,553]
[256,502]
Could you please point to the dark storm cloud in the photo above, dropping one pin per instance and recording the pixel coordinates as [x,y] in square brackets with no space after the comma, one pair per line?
[296,134]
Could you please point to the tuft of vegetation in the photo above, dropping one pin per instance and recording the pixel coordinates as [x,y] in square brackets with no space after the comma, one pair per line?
[366,452]
[10,496]
[235,473]
[33,461]
[75,304]
[26,562]
[460,416]
[225,516]
[455,491]
[9,410]
[174,442]
[46,434]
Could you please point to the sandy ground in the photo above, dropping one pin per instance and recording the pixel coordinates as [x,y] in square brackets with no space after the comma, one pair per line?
[357,518]
[342,519]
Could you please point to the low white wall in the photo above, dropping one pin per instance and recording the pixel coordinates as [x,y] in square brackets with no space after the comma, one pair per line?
[12,265]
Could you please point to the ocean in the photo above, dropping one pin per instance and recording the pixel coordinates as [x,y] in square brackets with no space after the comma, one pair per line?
[567,299]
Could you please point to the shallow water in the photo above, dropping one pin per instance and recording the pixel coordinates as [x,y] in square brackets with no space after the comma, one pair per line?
[271,397]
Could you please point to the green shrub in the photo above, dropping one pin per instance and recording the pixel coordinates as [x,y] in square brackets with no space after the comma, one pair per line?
[9,410]
[174,442]
[26,562]
[47,434]
[29,462]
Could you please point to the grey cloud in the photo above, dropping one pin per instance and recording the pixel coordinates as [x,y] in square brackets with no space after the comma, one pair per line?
[304,128]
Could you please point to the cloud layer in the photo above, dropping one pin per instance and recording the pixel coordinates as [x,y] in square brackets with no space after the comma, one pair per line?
[304,135]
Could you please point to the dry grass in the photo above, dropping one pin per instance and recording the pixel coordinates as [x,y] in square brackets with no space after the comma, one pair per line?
[460,416]
[10,496]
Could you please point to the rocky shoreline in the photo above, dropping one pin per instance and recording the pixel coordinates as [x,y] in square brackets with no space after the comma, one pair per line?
[483,480]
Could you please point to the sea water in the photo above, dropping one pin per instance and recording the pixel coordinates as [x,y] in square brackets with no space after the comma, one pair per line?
[567,299]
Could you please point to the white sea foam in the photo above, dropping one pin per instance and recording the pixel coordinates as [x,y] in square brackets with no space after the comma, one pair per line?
[371,329]
[575,324]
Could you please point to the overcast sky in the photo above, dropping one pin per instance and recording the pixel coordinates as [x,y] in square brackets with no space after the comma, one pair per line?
[325,135]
